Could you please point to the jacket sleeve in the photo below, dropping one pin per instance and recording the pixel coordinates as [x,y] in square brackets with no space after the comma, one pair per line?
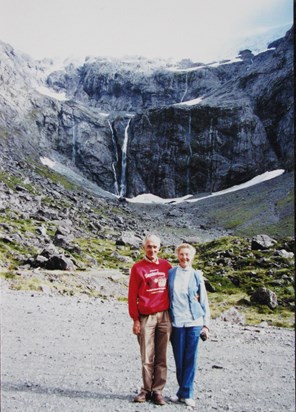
[204,300]
[133,294]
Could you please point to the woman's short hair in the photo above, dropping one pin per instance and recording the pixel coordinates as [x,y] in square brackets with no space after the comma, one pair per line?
[186,246]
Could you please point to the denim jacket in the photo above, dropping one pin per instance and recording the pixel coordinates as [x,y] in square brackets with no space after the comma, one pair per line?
[198,307]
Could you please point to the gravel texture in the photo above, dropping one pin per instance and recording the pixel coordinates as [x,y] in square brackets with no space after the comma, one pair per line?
[75,354]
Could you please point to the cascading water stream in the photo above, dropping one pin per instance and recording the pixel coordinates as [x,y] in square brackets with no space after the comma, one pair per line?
[123,164]
[116,160]
[186,87]
[212,154]
[189,156]
[74,138]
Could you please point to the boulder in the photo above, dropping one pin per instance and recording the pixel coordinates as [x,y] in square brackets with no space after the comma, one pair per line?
[284,254]
[264,296]
[129,238]
[262,242]
[59,262]
[232,315]
[50,258]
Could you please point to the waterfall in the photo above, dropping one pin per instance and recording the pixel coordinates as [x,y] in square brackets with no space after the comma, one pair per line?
[212,153]
[189,156]
[74,138]
[123,164]
[186,87]
[116,191]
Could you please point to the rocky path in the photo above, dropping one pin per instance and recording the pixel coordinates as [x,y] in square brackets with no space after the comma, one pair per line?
[79,355]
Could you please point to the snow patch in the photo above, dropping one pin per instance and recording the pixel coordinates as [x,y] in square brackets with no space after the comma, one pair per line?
[150,198]
[258,179]
[47,162]
[190,102]
[45,91]
[205,66]
[75,177]
[188,69]
[222,63]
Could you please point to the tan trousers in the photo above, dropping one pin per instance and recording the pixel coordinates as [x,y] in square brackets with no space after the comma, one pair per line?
[153,339]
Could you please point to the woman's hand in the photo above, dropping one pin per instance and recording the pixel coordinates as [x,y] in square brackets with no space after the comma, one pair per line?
[136,327]
[205,331]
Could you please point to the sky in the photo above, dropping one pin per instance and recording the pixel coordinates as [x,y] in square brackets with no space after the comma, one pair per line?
[202,30]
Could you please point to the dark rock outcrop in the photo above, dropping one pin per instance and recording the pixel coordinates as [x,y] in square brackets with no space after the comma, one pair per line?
[265,296]
[262,242]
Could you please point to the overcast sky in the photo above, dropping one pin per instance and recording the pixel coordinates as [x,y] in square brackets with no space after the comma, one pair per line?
[198,29]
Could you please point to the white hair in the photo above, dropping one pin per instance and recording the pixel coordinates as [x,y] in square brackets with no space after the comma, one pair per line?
[186,246]
[152,237]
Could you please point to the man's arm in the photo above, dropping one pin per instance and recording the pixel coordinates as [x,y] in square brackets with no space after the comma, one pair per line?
[136,327]
[133,295]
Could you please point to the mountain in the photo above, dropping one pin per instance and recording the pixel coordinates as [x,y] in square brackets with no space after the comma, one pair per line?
[78,139]
[262,40]
[140,126]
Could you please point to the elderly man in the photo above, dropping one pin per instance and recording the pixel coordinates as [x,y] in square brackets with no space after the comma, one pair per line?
[148,304]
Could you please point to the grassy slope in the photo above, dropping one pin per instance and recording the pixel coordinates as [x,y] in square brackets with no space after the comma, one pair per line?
[265,208]
[247,212]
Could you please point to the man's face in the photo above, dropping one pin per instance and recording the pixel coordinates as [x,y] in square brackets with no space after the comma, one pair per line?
[151,249]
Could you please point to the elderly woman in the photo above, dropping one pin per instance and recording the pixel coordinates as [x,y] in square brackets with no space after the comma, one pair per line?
[190,315]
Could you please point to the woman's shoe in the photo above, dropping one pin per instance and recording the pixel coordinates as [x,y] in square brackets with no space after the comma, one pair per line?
[177,399]
[189,402]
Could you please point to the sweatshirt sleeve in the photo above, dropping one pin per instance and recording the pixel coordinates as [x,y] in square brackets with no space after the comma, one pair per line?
[204,302]
[133,294]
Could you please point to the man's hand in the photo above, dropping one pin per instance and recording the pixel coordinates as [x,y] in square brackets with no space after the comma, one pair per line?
[136,327]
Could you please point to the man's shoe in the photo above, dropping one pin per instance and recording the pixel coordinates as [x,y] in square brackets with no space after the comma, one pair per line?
[157,399]
[142,397]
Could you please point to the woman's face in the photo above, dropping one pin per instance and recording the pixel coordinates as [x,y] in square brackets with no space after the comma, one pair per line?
[185,257]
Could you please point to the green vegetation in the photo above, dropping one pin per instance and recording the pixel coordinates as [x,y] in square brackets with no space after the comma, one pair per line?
[231,268]
[228,263]
[235,271]
[245,216]
[28,284]
[55,177]
[13,181]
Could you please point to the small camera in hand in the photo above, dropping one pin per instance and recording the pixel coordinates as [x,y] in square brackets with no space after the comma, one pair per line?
[203,336]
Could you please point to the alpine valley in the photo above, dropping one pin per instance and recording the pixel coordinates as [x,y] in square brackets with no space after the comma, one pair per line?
[80,141]
[138,126]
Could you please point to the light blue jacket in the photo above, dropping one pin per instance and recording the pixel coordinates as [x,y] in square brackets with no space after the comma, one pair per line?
[198,307]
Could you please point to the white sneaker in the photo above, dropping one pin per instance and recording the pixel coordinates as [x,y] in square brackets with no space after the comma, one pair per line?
[177,399]
[189,402]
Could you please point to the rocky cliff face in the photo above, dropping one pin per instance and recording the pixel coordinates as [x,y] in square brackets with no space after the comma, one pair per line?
[140,126]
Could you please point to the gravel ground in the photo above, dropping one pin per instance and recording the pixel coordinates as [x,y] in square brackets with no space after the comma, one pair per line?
[79,355]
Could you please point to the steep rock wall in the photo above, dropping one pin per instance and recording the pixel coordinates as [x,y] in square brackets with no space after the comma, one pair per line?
[181,150]
[191,128]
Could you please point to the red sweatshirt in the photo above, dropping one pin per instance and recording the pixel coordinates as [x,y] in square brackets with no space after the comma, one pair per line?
[148,291]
